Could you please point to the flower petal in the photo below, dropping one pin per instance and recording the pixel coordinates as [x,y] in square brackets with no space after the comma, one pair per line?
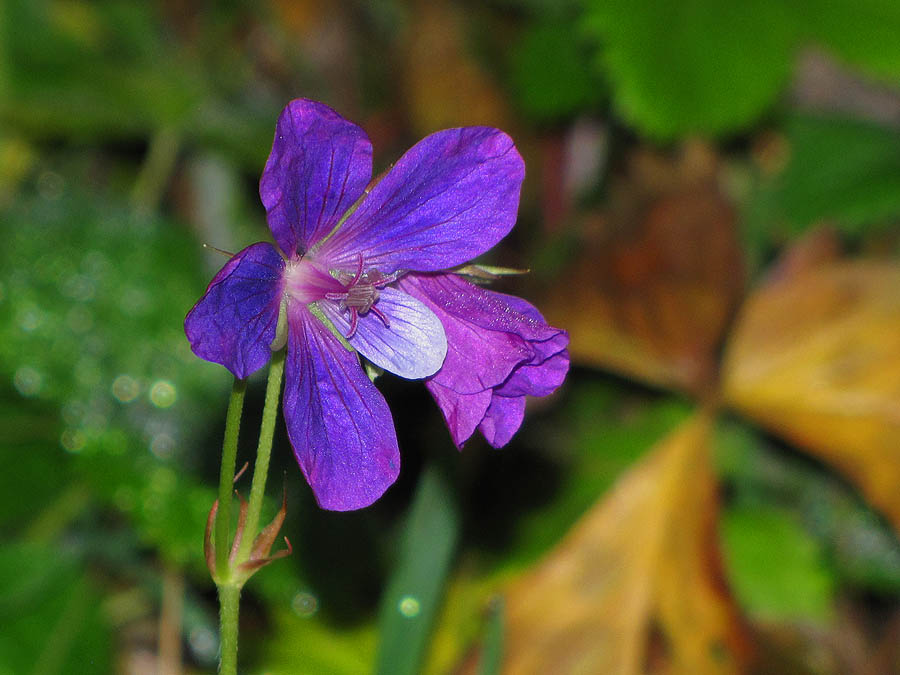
[541,378]
[502,420]
[486,338]
[338,422]
[462,412]
[451,197]
[319,166]
[234,322]
[412,344]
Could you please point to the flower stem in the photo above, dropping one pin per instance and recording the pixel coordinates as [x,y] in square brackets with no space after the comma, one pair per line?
[226,476]
[229,606]
[263,453]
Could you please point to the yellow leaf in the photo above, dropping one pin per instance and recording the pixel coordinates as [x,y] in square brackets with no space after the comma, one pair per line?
[815,357]
[636,585]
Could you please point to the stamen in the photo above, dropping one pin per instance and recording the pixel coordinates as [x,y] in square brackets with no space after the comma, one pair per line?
[359,269]
[354,321]
[377,312]
[219,251]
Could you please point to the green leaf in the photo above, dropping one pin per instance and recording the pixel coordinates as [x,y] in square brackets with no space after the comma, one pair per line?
[776,569]
[551,77]
[709,67]
[862,32]
[843,171]
[51,616]
[413,596]
[699,66]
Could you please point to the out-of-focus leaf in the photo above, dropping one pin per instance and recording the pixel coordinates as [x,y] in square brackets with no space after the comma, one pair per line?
[863,551]
[699,66]
[862,32]
[95,298]
[637,581]
[490,661]
[301,642]
[51,616]
[710,67]
[550,73]
[841,171]
[445,86]
[815,359]
[412,598]
[776,569]
[654,288]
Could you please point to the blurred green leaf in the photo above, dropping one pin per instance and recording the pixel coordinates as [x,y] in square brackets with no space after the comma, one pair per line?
[841,171]
[95,298]
[862,550]
[550,74]
[862,32]
[491,660]
[700,66]
[413,596]
[51,616]
[776,569]
[709,67]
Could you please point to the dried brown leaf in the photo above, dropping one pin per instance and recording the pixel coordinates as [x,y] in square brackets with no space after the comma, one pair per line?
[816,358]
[656,285]
[636,586]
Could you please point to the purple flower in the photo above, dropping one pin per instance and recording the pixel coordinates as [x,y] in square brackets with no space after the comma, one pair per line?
[370,266]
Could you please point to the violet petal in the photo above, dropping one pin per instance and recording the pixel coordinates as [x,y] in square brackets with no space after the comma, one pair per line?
[412,344]
[338,422]
[451,197]
[502,420]
[234,322]
[462,412]
[319,166]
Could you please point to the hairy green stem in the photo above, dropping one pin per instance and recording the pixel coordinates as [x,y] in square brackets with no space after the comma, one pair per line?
[229,607]
[226,476]
[263,453]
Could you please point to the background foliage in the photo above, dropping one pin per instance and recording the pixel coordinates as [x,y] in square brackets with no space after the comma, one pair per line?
[711,210]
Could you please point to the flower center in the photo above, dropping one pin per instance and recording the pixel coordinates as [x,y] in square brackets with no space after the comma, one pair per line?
[306,282]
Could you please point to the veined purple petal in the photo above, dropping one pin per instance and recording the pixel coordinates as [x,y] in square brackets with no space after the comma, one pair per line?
[499,350]
[462,412]
[338,422]
[319,166]
[451,197]
[485,340]
[411,344]
[234,322]
[502,420]
[539,378]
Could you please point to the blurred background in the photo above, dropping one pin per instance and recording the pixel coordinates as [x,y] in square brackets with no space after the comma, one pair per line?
[711,209]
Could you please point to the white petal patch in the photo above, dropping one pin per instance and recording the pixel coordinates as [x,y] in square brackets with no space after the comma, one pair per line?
[413,344]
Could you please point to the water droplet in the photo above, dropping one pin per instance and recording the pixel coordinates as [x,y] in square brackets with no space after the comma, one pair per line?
[28,381]
[79,319]
[203,643]
[162,445]
[30,318]
[305,604]
[125,388]
[73,440]
[409,606]
[51,185]
[163,394]
[79,287]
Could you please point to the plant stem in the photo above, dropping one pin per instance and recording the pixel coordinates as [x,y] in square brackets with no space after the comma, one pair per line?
[229,607]
[226,476]
[263,453]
